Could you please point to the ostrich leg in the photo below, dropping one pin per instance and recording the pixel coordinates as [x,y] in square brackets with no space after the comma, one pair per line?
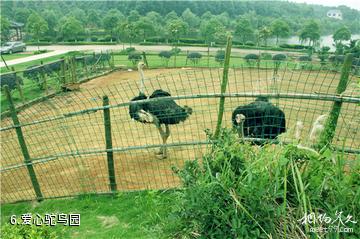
[166,136]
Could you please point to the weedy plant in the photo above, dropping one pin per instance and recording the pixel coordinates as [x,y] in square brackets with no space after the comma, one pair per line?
[243,191]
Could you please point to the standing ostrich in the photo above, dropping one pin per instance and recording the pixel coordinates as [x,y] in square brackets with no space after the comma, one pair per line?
[163,111]
[259,119]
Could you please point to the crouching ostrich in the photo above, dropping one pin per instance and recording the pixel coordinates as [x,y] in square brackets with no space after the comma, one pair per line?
[161,111]
[259,119]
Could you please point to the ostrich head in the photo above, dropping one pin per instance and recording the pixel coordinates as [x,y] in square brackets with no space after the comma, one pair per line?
[298,129]
[317,128]
[240,119]
[141,67]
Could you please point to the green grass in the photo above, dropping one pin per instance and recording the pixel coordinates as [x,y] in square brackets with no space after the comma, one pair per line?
[9,57]
[22,66]
[139,214]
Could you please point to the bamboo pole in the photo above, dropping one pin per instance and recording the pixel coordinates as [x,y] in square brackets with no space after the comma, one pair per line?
[73,64]
[223,86]
[23,146]
[63,73]
[110,156]
[330,126]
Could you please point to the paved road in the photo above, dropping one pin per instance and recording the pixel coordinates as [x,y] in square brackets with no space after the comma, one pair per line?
[61,49]
[98,48]
[33,57]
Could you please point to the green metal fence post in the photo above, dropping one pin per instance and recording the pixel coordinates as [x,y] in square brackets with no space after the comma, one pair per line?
[331,122]
[110,156]
[145,60]
[23,146]
[18,85]
[43,77]
[223,86]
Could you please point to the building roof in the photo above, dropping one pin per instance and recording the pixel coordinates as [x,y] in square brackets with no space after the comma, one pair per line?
[334,11]
[14,24]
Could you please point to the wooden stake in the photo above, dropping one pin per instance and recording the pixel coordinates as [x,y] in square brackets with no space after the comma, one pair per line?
[109,153]
[23,146]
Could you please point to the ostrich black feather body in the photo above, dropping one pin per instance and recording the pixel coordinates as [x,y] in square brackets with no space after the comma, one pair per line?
[262,119]
[166,110]
[134,108]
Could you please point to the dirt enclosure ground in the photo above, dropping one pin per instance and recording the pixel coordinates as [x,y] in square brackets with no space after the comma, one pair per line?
[69,151]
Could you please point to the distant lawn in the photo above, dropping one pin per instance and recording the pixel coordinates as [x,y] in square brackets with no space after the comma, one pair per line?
[22,66]
[127,215]
[9,57]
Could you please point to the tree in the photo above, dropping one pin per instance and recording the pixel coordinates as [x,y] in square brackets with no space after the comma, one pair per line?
[264,34]
[176,28]
[310,32]
[21,14]
[93,19]
[280,29]
[36,26]
[244,30]
[134,16]
[145,27]
[342,34]
[171,16]
[72,28]
[111,21]
[129,31]
[191,19]
[5,29]
[79,14]
[212,30]
[51,19]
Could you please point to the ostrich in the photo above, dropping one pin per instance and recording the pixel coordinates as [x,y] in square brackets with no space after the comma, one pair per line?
[317,128]
[162,111]
[259,119]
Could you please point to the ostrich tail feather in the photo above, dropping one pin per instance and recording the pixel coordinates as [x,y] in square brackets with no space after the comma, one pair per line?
[188,110]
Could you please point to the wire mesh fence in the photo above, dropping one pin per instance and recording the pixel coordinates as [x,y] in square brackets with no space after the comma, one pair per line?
[38,81]
[67,136]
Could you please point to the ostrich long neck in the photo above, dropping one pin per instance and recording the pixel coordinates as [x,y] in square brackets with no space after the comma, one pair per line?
[240,130]
[142,78]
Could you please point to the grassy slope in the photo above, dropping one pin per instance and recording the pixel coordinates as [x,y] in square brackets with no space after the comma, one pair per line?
[139,214]
[9,57]
[22,66]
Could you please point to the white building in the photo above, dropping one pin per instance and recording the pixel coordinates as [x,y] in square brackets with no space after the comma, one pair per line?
[334,14]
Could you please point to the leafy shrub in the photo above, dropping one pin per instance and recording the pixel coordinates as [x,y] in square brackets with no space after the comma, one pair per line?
[323,54]
[175,51]
[165,54]
[293,46]
[220,56]
[130,49]
[337,60]
[250,43]
[93,38]
[241,191]
[279,57]
[10,80]
[134,57]
[251,58]
[265,56]
[305,58]
[40,52]
[35,73]
[194,57]
[28,231]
